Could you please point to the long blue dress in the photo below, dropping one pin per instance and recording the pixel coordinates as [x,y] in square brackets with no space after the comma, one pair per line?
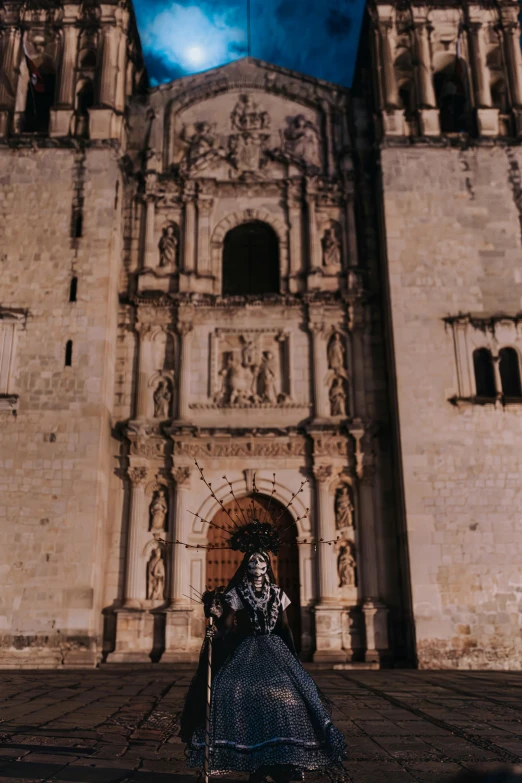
[265,707]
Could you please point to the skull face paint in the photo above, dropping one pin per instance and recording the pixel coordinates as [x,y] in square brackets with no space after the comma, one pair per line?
[257,570]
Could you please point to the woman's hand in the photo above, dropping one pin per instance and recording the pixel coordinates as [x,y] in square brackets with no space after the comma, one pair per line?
[210,631]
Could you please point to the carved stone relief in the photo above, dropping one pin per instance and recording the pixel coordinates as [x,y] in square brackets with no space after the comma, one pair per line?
[242,447]
[344,510]
[337,376]
[331,245]
[162,399]
[250,368]
[156,576]
[346,564]
[168,248]
[300,141]
[158,513]
[246,149]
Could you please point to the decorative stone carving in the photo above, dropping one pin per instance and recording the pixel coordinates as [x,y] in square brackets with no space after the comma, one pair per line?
[346,564]
[168,247]
[156,576]
[331,245]
[246,149]
[337,396]
[337,376]
[138,475]
[336,355]
[343,508]
[200,142]
[301,142]
[158,513]
[330,446]
[252,368]
[162,399]
[323,473]
[181,475]
[242,447]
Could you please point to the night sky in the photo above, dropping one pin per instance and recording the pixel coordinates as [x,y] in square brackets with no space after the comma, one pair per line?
[315,37]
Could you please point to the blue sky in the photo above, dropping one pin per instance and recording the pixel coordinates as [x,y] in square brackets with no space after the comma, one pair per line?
[316,37]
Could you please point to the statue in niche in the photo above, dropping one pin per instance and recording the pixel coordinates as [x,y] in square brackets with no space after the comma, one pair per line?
[168,246]
[201,142]
[301,141]
[156,576]
[162,398]
[336,355]
[344,509]
[331,244]
[267,378]
[237,381]
[337,396]
[158,512]
[346,565]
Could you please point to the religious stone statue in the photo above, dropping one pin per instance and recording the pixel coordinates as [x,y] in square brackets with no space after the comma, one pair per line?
[267,378]
[162,398]
[156,576]
[248,351]
[201,142]
[301,141]
[237,381]
[336,352]
[346,565]
[168,246]
[158,512]
[337,396]
[331,244]
[343,508]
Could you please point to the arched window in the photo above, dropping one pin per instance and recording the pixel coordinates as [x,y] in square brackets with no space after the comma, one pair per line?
[510,373]
[451,88]
[251,260]
[40,100]
[484,374]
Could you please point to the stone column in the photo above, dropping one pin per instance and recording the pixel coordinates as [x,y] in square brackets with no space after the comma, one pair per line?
[109,66]
[178,530]
[498,377]
[328,611]
[425,85]
[142,394]
[319,370]
[67,70]
[205,206]
[314,251]
[135,588]
[294,207]
[184,330]
[375,612]
[119,98]
[513,60]
[478,62]
[330,162]
[351,230]
[10,55]
[150,259]
[391,92]
[189,233]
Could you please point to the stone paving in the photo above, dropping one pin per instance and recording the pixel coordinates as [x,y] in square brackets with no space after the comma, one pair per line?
[119,724]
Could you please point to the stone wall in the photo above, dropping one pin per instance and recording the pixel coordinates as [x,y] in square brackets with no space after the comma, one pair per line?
[453,246]
[56,452]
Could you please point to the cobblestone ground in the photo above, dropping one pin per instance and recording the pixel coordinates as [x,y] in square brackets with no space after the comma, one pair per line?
[106,725]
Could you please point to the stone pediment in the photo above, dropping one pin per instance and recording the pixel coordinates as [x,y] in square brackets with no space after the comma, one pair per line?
[247,120]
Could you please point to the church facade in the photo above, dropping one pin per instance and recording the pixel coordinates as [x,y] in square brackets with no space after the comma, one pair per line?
[251,288]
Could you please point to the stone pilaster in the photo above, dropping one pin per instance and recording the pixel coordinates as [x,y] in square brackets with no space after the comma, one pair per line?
[320,368]
[295,218]
[428,112]
[189,230]
[314,249]
[150,256]
[328,611]
[184,330]
[487,116]
[11,41]
[135,587]
[142,396]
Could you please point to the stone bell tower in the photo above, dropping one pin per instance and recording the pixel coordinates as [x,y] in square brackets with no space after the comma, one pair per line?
[439,87]
[67,70]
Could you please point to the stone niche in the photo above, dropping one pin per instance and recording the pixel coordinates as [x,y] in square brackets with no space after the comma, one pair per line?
[250,369]
[243,134]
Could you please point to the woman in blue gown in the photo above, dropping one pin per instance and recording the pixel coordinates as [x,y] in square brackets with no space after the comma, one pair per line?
[266,714]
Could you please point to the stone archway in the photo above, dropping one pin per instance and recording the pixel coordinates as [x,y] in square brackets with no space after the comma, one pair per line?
[222,564]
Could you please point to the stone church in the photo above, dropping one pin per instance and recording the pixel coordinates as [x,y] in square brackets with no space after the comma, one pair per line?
[312,294]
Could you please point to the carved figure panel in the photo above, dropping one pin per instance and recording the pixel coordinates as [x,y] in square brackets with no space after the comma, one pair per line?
[300,142]
[250,368]
[158,512]
[162,399]
[332,245]
[156,576]
[337,376]
[344,509]
[168,247]
[346,564]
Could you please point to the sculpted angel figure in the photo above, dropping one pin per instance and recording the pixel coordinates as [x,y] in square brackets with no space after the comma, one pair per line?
[301,140]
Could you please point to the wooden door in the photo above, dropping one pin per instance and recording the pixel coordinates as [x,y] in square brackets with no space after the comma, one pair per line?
[222,564]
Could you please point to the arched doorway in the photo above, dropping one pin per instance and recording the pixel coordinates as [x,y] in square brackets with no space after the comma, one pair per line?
[251,260]
[222,564]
